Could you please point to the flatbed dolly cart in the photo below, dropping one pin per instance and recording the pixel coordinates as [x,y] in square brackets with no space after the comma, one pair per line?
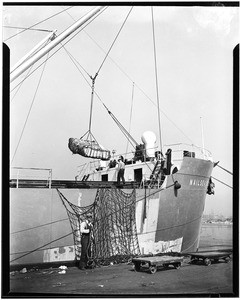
[208,256]
[153,262]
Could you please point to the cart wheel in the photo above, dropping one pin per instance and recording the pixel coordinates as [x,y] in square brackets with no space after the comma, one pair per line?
[91,264]
[207,262]
[137,267]
[227,259]
[153,269]
[177,265]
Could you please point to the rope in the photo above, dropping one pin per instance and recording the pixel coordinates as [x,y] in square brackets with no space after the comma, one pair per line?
[122,128]
[92,99]
[75,62]
[119,69]
[37,23]
[46,224]
[225,169]
[32,54]
[131,81]
[139,88]
[37,29]
[41,247]
[21,83]
[223,182]
[115,39]
[94,78]
[127,135]
[132,97]
[157,93]
[29,111]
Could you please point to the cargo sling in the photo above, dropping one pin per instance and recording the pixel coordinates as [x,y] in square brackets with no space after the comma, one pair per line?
[114,225]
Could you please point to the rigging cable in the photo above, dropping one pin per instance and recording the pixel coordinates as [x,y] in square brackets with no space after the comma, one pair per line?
[117,67]
[40,247]
[90,21]
[94,78]
[115,39]
[45,224]
[125,132]
[36,29]
[223,182]
[37,23]
[21,83]
[137,86]
[29,111]
[29,70]
[132,97]
[157,93]
[225,169]
[76,62]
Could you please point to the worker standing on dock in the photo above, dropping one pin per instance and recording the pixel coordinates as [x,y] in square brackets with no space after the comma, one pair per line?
[121,170]
[86,232]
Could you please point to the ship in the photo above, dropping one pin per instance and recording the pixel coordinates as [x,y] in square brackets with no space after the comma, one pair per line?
[158,210]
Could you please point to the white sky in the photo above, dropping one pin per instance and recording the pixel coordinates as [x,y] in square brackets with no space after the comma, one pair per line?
[194,56]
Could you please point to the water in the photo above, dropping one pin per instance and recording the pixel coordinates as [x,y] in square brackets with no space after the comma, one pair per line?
[216,236]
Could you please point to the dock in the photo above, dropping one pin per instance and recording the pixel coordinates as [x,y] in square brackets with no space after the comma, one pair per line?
[120,279]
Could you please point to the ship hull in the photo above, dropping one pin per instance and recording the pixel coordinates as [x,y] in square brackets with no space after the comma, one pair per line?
[167,219]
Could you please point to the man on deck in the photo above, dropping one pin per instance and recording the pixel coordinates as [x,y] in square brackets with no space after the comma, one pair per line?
[121,170]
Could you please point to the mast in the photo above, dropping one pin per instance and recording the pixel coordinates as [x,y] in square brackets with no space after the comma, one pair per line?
[156,75]
[202,137]
[55,42]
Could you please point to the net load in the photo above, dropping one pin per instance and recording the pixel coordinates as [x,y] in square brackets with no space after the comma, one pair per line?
[88,148]
[114,225]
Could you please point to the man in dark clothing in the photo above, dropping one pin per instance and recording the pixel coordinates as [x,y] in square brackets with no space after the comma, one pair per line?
[86,232]
[121,170]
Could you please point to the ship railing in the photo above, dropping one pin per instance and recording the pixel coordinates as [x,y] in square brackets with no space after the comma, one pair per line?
[181,150]
[99,165]
[20,173]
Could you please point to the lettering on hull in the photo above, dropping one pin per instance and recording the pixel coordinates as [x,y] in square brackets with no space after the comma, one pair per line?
[198,182]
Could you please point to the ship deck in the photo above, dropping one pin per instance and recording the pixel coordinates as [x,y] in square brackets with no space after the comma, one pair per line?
[70,184]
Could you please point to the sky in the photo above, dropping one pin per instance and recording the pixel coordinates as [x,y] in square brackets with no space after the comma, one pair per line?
[194,54]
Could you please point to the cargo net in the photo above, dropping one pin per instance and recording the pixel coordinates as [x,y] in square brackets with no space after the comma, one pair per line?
[87,146]
[114,226]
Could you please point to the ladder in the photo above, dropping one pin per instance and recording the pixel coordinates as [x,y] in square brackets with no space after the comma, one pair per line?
[155,175]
